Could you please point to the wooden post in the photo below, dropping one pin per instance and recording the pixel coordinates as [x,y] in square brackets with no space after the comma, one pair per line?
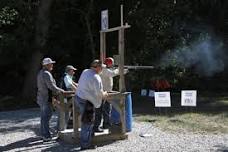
[122,87]
[121,15]
[61,113]
[102,46]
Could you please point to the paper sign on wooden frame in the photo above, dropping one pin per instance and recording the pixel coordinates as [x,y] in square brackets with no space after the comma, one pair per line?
[188,97]
[162,99]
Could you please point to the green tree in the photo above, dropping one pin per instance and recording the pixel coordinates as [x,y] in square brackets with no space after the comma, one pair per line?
[41,33]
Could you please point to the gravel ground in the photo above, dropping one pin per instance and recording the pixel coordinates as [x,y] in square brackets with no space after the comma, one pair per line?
[19,132]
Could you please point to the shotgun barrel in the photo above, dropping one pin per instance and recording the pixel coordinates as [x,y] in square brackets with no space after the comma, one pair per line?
[132,67]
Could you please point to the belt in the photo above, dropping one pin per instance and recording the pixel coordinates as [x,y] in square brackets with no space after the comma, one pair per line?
[82,99]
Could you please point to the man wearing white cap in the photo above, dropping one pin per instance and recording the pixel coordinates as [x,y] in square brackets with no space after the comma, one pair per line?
[46,87]
[68,78]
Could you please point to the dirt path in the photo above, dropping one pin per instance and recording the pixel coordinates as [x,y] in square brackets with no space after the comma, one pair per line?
[19,131]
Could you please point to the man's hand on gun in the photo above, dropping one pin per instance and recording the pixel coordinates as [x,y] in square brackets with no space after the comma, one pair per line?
[105,94]
[55,103]
[126,70]
[66,93]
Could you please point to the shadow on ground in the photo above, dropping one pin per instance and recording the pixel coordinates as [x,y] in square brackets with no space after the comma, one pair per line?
[62,147]
[36,143]
[22,120]
[7,130]
[221,148]
[26,143]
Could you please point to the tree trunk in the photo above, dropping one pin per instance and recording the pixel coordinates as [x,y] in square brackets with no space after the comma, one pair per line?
[88,20]
[90,34]
[42,25]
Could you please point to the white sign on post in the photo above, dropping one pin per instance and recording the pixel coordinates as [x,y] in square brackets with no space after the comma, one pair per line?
[162,99]
[151,93]
[143,92]
[104,20]
[188,97]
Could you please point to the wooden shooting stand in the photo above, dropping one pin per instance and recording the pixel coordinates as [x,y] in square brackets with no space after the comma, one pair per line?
[117,98]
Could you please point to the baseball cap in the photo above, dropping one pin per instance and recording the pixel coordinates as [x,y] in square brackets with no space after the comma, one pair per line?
[109,61]
[47,61]
[70,67]
[97,63]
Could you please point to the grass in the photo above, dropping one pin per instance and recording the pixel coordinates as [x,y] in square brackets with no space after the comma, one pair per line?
[214,100]
[192,122]
[210,115]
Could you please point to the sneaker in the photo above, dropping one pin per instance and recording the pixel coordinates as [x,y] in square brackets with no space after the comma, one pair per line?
[46,139]
[106,126]
[90,147]
[57,138]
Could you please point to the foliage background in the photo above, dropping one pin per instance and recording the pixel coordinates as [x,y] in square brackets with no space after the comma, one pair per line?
[158,27]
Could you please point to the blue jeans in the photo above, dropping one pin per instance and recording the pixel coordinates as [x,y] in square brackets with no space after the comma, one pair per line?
[86,128]
[45,114]
[105,112]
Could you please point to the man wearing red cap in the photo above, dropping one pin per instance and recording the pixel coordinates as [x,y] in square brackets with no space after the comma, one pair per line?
[107,80]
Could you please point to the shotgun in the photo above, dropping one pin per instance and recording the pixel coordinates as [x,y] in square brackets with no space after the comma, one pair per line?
[132,67]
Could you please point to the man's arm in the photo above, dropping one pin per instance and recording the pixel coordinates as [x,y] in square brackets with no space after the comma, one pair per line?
[98,88]
[75,84]
[50,82]
[73,87]
[110,72]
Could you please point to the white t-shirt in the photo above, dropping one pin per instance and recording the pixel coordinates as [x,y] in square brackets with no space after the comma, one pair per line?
[68,80]
[90,87]
[107,78]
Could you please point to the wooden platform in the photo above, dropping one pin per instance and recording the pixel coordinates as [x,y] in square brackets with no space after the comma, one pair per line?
[99,138]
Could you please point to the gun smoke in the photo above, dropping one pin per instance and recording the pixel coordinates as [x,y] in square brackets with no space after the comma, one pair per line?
[206,57]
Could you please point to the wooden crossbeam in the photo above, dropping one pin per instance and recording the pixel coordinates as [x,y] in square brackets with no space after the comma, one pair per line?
[115,28]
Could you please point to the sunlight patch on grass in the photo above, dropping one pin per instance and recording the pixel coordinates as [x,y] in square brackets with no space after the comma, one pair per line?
[193,122]
[223,100]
